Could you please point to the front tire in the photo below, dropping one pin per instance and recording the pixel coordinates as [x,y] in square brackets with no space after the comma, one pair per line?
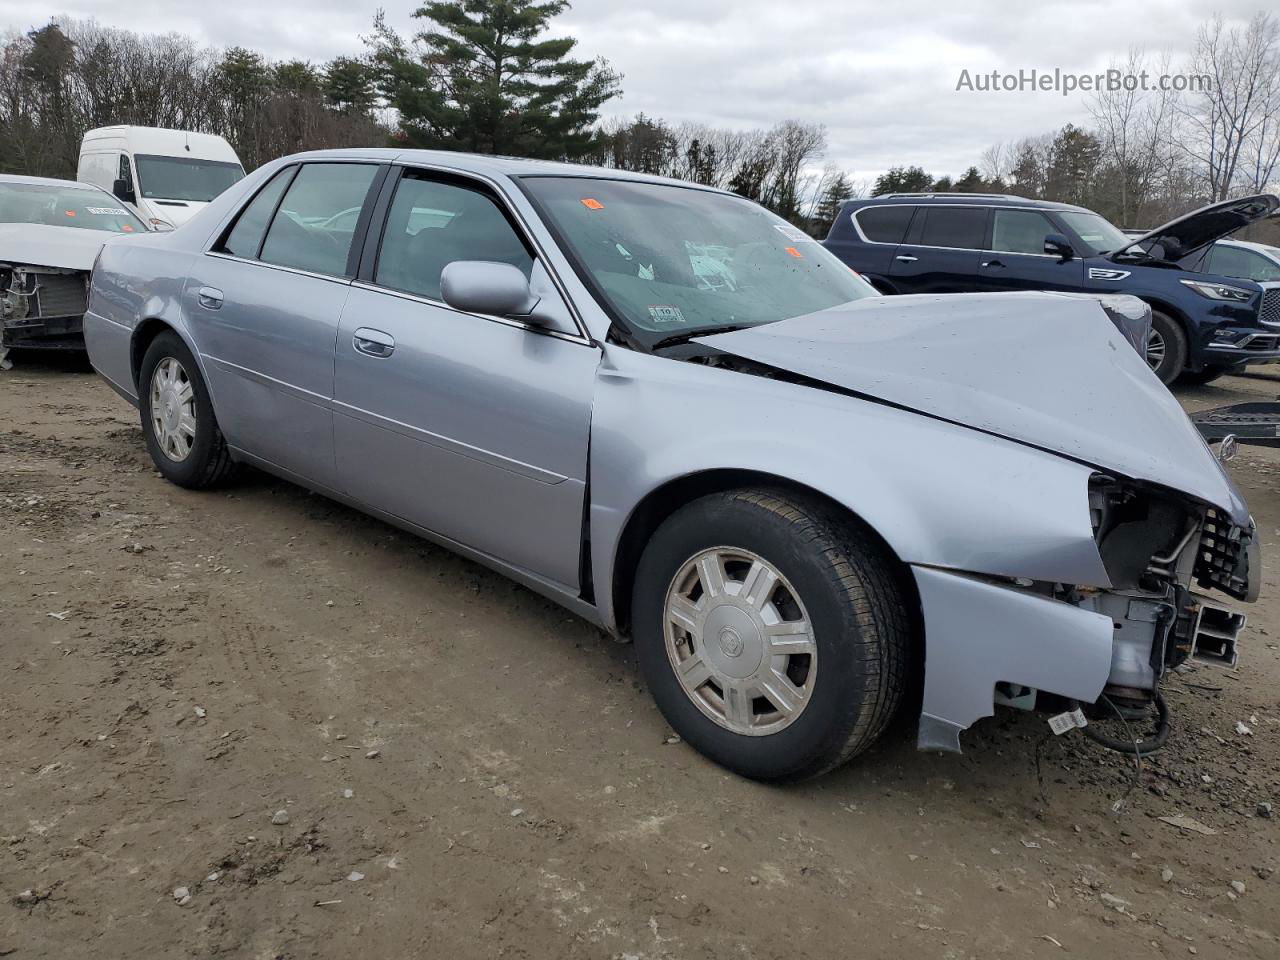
[177,417]
[1206,374]
[773,633]
[1166,347]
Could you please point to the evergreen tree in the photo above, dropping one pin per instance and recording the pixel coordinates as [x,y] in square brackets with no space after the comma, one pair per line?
[485,77]
[902,180]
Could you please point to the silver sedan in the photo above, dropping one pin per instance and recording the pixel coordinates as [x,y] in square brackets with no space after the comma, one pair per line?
[678,416]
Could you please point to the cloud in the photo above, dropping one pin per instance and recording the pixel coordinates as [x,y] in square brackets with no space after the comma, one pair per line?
[882,80]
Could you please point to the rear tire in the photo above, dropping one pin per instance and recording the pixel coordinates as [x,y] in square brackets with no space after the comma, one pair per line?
[177,417]
[1167,338]
[794,675]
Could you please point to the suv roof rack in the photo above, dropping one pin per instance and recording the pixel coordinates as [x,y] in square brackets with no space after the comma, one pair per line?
[958,193]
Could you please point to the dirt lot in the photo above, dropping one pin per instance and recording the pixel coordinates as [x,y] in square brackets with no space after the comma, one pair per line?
[467,771]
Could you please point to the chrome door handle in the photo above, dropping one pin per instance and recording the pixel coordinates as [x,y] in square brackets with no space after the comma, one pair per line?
[209,297]
[906,259]
[373,343]
[993,263]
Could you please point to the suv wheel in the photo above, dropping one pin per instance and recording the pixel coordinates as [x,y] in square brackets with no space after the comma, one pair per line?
[177,417]
[772,634]
[1166,347]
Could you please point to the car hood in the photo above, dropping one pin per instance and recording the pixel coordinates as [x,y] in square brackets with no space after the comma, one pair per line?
[1048,370]
[1196,230]
[37,244]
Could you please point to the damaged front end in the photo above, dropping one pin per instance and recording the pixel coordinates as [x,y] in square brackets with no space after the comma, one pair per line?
[1106,650]
[1160,550]
[42,307]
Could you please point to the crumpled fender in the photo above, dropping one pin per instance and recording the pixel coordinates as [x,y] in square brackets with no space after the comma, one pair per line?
[979,633]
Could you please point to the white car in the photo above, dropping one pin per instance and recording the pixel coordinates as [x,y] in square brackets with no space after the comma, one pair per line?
[50,234]
[1249,261]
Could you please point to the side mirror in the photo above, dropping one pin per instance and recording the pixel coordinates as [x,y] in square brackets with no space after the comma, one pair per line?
[482,286]
[1056,245]
[123,191]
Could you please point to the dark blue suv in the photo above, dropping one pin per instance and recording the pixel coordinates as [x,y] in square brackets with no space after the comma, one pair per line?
[1203,325]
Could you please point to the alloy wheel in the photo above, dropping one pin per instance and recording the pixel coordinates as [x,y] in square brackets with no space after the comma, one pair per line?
[740,641]
[1155,348]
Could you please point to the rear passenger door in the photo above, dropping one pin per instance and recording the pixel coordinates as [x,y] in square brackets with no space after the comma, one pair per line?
[941,250]
[264,305]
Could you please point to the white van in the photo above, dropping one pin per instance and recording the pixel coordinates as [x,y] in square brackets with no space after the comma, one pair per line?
[164,175]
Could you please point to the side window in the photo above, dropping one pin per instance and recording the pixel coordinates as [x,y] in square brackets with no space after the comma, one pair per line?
[961,227]
[1238,262]
[884,224]
[246,236]
[315,224]
[1020,231]
[431,224]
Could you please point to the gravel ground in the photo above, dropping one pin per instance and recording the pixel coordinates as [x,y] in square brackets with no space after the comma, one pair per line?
[256,724]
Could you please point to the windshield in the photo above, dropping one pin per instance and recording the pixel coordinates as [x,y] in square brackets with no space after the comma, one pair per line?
[54,205]
[182,178]
[1100,235]
[672,261]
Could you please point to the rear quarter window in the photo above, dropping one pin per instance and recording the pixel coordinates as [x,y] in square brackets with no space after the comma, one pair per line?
[884,224]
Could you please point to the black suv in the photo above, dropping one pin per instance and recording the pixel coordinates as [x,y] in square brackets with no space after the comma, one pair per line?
[1203,325]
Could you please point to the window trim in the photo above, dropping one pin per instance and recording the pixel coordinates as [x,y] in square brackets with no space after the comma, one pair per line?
[292,170]
[372,244]
[906,231]
[991,233]
[916,207]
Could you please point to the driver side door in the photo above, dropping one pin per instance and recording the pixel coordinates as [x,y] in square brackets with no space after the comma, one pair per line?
[472,427]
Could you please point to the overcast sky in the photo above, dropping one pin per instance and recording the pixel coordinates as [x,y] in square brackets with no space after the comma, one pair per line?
[882,77]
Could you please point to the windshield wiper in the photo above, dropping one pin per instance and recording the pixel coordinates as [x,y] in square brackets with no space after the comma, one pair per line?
[678,338]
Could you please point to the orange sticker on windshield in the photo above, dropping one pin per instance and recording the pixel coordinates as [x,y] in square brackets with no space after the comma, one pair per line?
[795,253]
[592,204]
[126,228]
[69,213]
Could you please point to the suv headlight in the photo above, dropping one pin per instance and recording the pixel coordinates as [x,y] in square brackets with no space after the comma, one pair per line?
[1219,291]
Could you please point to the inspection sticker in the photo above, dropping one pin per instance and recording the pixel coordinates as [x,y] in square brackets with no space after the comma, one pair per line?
[664,314]
[794,234]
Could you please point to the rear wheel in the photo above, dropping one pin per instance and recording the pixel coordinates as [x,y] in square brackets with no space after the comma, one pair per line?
[1166,347]
[772,633]
[177,417]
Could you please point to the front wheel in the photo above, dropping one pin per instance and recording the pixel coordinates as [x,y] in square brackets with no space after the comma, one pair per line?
[772,632]
[1166,347]
[177,417]
[1206,374]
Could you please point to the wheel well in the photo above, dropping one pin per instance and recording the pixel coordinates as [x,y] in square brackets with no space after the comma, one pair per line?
[147,331]
[661,503]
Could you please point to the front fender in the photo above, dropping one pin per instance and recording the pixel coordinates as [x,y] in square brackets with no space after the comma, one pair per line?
[939,494]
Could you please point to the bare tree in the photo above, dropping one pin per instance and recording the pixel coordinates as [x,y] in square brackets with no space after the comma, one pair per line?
[1234,120]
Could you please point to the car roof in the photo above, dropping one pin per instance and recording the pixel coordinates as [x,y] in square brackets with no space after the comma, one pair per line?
[967,199]
[487,165]
[47,182]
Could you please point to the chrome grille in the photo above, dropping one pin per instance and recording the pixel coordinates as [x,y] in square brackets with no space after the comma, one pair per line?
[1270,311]
[61,295]
[1222,561]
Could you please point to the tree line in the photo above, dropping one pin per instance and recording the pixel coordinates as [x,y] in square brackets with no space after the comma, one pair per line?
[489,76]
